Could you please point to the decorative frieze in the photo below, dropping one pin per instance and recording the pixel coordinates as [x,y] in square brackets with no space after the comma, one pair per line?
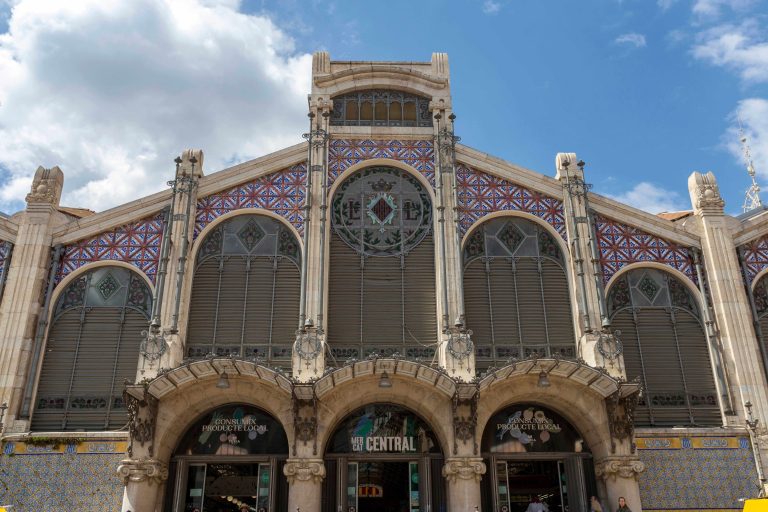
[344,153]
[137,243]
[282,193]
[304,470]
[621,245]
[480,194]
[464,468]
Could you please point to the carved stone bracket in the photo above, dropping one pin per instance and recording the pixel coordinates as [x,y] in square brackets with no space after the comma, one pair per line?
[304,470]
[304,402]
[465,398]
[622,467]
[142,417]
[621,416]
[142,470]
[464,468]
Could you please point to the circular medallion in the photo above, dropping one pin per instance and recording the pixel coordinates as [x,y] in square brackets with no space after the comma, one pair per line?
[382,211]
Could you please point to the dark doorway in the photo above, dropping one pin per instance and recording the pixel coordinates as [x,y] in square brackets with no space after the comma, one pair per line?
[387,486]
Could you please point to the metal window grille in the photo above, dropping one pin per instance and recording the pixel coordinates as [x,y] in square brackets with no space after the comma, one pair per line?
[665,346]
[92,348]
[245,291]
[381,108]
[382,267]
[516,293]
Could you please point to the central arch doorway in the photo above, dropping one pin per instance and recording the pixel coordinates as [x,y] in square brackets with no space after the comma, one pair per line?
[230,459]
[533,453]
[383,458]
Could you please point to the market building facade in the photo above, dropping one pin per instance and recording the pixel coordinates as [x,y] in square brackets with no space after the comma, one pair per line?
[381,318]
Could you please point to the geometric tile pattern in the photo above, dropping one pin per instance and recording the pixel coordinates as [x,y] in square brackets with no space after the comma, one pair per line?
[61,481]
[481,194]
[755,257]
[621,245]
[344,153]
[280,192]
[690,478]
[137,243]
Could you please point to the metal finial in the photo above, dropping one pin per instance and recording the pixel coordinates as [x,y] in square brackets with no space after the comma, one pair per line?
[752,196]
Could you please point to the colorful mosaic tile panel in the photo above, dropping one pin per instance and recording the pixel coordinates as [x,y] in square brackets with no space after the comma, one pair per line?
[344,153]
[137,243]
[481,194]
[621,245]
[61,481]
[755,257]
[280,192]
[695,474]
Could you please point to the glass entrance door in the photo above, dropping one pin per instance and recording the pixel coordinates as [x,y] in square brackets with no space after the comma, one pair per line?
[383,486]
[520,483]
[228,487]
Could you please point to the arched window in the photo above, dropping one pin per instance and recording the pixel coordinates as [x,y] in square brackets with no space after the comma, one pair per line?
[92,348]
[245,292]
[382,267]
[380,108]
[665,346]
[516,293]
[760,294]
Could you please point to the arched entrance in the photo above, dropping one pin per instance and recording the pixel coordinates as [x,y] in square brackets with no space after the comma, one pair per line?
[533,453]
[383,457]
[230,459]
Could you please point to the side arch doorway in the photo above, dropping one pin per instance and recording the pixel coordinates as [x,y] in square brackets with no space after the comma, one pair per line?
[533,453]
[230,459]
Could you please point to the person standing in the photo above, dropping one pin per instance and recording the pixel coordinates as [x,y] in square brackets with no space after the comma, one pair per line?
[594,505]
[623,507]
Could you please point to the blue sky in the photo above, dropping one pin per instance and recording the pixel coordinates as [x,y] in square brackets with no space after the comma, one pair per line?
[644,91]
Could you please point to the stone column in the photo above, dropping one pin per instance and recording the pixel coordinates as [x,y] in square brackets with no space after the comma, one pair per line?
[308,361]
[729,300]
[22,331]
[619,474]
[173,287]
[596,345]
[463,475]
[305,484]
[143,479]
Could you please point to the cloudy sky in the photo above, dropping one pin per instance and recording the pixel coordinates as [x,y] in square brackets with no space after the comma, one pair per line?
[644,91]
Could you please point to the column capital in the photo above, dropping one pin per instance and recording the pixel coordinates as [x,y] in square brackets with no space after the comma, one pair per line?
[142,470]
[304,470]
[464,468]
[622,467]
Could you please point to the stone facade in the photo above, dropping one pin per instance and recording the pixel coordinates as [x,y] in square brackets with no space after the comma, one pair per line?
[165,238]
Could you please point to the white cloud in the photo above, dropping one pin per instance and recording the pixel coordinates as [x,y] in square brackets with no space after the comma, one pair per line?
[742,48]
[633,39]
[710,9]
[112,90]
[650,198]
[491,7]
[753,113]
[665,4]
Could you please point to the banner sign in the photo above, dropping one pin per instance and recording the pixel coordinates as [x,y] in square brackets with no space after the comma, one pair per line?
[234,430]
[383,428]
[530,428]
